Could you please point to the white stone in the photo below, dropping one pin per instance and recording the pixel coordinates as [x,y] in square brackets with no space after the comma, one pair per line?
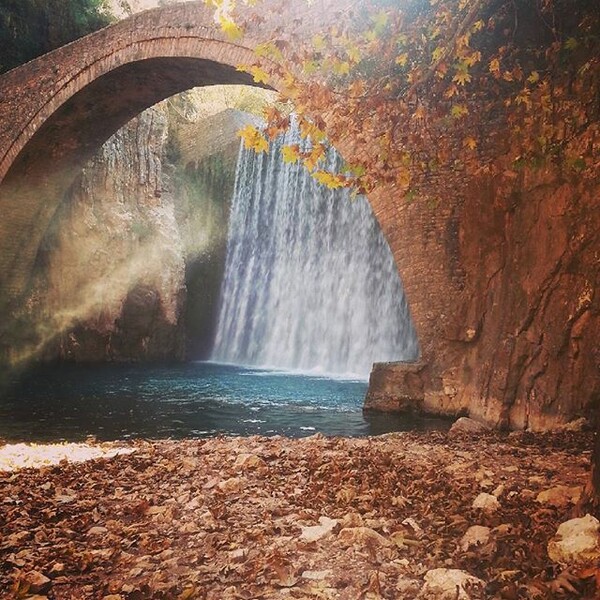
[486,502]
[449,584]
[576,543]
[317,532]
[475,536]
[316,575]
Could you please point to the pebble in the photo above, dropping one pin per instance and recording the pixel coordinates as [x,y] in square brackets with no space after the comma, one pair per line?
[450,584]
[486,502]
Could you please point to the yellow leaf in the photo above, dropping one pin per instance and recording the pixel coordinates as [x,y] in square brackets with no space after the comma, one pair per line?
[268,50]
[495,66]
[353,54]
[230,28]
[437,54]
[462,77]
[254,139]
[341,67]
[507,76]
[459,110]
[401,59]
[318,43]
[291,154]
[310,66]
[534,77]
[316,154]
[470,143]
[310,130]
[329,180]
[259,75]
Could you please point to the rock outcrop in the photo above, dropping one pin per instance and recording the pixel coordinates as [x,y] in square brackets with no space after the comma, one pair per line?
[131,266]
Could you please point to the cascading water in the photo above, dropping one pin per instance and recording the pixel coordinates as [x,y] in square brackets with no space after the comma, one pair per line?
[310,283]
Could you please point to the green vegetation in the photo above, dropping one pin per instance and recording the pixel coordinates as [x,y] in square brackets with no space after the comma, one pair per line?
[30,28]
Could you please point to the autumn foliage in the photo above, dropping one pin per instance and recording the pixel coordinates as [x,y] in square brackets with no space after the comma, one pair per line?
[420,87]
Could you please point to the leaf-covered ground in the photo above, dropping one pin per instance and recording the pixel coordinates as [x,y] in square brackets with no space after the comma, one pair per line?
[319,517]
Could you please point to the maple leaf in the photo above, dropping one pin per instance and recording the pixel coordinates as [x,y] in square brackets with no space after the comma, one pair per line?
[571,43]
[268,50]
[329,180]
[459,110]
[402,59]
[318,42]
[259,75]
[341,67]
[291,154]
[437,54]
[231,29]
[380,20]
[254,139]
[470,143]
[316,154]
[353,54]
[494,66]
[462,77]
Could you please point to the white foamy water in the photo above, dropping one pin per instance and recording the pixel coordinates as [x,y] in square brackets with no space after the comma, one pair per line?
[310,283]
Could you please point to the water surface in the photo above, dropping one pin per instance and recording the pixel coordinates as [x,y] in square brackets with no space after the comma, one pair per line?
[189,400]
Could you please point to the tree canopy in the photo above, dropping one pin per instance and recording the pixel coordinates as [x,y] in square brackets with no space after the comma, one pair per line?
[30,28]
[425,85]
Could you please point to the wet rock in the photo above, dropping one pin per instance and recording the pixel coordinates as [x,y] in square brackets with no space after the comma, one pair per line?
[486,502]
[450,584]
[465,425]
[576,543]
[560,496]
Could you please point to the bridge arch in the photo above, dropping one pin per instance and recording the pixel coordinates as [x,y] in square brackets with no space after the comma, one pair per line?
[58,109]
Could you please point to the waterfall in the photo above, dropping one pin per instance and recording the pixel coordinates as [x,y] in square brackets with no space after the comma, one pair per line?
[310,283]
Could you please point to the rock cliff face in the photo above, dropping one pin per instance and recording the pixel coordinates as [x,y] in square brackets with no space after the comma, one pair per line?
[525,335]
[131,266]
[109,282]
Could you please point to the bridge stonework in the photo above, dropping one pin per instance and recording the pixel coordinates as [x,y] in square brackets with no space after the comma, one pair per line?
[503,339]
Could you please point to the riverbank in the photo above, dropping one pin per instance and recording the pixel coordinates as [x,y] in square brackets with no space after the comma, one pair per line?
[258,517]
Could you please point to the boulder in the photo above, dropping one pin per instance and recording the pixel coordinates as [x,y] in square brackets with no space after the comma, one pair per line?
[576,543]
[468,426]
[450,584]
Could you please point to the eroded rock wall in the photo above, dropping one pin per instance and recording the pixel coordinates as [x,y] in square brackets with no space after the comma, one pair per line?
[110,276]
[520,349]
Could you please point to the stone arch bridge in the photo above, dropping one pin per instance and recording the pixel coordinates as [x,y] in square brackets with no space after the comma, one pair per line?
[483,349]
